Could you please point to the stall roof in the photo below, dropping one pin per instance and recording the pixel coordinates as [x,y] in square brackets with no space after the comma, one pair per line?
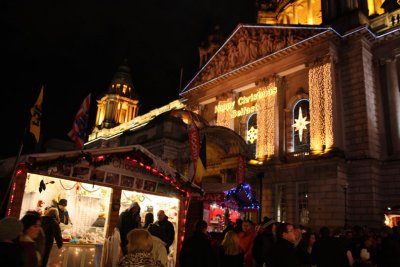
[136,152]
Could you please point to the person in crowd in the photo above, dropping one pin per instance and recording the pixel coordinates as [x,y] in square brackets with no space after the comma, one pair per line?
[63,212]
[283,253]
[100,221]
[148,219]
[140,244]
[128,219]
[230,254]
[246,240]
[31,230]
[263,241]
[159,250]
[388,251]
[238,225]
[50,225]
[167,227]
[10,250]
[40,240]
[367,256]
[196,250]
[345,254]
[304,249]
[328,251]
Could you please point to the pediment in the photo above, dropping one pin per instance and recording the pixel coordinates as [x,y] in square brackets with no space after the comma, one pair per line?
[249,44]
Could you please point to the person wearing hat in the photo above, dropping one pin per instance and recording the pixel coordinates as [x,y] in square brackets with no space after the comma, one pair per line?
[128,219]
[264,241]
[62,211]
[10,251]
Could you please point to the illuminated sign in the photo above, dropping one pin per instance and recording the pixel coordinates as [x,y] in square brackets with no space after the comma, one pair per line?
[262,93]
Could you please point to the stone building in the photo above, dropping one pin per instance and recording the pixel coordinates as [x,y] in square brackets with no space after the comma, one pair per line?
[313,89]
[309,96]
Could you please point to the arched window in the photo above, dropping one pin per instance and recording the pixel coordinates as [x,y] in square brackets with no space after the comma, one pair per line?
[301,125]
[251,134]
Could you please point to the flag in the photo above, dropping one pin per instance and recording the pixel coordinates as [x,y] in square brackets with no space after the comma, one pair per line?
[241,170]
[36,116]
[194,142]
[78,132]
[201,165]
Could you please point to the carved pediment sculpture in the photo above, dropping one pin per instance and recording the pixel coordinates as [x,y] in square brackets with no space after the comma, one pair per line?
[250,43]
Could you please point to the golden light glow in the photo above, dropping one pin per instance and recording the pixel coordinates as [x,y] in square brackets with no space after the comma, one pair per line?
[302,12]
[251,135]
[224,118]
[300,124]
[321,120]
[266,124]
[374,7]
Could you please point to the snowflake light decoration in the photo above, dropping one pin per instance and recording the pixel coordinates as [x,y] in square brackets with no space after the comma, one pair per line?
[252,135]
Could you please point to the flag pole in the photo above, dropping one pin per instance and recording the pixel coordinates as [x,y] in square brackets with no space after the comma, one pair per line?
[15,166]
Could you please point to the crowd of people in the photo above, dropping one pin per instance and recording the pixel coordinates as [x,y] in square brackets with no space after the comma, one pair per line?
[275,244]
[28,242]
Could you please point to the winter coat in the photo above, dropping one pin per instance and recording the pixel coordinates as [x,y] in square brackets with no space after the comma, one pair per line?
[140,259]
[197,252]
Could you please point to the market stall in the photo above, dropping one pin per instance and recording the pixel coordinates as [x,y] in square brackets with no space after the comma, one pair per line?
[98,183]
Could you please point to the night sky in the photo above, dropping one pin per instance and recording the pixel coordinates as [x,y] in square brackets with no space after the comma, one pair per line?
[74,48]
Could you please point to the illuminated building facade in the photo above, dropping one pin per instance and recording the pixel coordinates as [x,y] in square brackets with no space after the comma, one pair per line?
[318,106]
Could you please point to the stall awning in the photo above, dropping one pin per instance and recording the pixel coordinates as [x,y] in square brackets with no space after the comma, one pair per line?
[97,157]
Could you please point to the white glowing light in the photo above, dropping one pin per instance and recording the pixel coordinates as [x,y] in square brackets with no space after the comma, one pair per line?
[300,124]
[252,135]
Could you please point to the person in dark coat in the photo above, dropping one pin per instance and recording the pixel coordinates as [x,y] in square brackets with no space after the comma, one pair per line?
[128,220]
[196,250]
[10,250]
[328,251]
[230,254]
[52,229]
[167,227]
[62,211]
[264,242]
[283,253]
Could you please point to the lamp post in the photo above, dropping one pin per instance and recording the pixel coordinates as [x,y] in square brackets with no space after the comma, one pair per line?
[345,186]
[260,181]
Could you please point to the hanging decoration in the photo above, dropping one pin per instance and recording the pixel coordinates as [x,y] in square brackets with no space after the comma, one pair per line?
[135,156]
[243,196]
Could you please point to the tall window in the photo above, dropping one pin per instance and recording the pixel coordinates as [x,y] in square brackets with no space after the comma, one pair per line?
[301,125]
[302,203]
[252,133]
[281,203]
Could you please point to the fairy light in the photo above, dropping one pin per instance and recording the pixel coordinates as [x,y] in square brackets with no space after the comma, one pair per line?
[321,120]
[224,118]
[266,123]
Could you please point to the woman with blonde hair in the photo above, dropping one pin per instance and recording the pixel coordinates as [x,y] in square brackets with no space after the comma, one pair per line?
[50,225]
[140,244]
[229,252]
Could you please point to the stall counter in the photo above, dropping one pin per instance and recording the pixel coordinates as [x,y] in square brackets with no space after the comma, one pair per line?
[76,255]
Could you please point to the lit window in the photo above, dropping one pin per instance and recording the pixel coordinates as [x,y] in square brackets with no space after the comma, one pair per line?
[302,203]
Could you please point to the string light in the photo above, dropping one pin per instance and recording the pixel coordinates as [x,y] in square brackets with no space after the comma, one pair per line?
[266,124]
[321,120]
[243,196]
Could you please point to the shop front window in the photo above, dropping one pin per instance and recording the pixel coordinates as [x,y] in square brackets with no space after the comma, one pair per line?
[150,203]
[87,206]
[281,204]
[302,203]
[301,126]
